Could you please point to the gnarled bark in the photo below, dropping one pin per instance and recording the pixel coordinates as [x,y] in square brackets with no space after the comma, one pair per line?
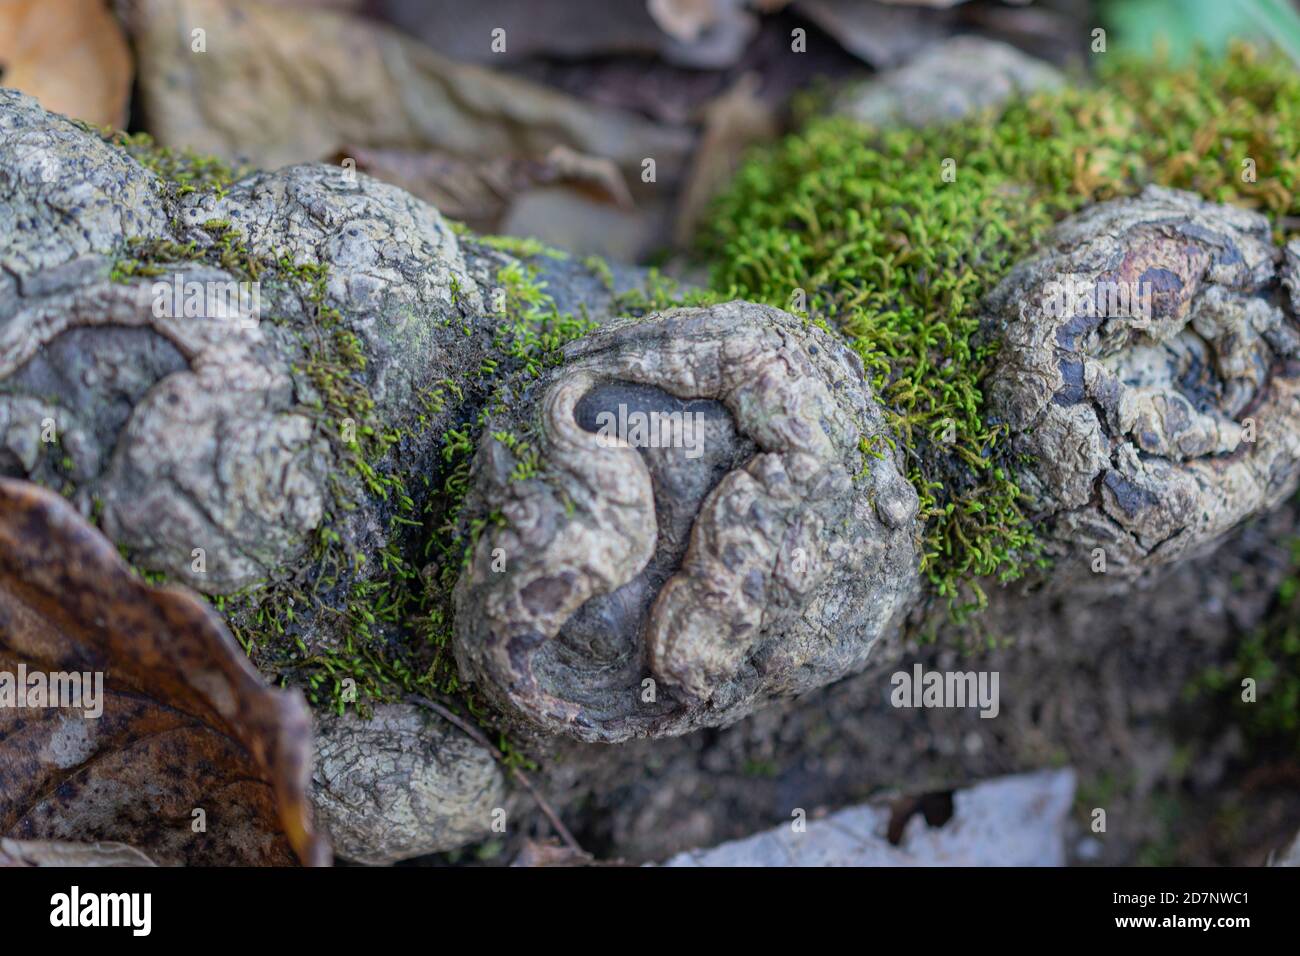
[739,546]
[616,591]
[1149,369]
[768,566]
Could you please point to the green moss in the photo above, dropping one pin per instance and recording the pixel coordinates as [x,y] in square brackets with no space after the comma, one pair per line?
[526,247]
[659,292]
[183,171]
[602,271]
[864,226]
[534,329]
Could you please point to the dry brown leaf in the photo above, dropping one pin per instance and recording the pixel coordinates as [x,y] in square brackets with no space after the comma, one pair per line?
[598,176]
[69,54]
[277,88]
[536,854]
[478,192]
[735,121]
[187,724]
[52,853]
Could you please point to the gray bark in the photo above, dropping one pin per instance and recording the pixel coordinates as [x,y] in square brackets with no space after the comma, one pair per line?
[1148,371]
[624,565]
[650,583]
[403,783]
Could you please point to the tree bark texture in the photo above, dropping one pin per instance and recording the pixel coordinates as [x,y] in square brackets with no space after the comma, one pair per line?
[617,588]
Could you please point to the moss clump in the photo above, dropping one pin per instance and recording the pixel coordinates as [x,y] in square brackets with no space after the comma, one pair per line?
[183,171]
[526,247]
[395,619]
[660,292]
[894,236]
[265,618]
[534,329]
[602,271]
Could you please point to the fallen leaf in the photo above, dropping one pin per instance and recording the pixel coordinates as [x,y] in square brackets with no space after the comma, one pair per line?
[277,87]
[881,34]
[594,173]
[735,121]
[536,854]
[50,853]
[193,759]
[70,55]
[478,192]
[579,29]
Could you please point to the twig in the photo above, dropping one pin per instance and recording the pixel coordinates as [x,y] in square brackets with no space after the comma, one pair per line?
[477,735]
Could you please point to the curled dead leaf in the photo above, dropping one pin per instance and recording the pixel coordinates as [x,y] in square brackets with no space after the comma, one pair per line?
[537,854]
[191,758]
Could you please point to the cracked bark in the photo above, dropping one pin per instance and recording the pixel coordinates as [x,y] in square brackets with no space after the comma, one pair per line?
[766,566]
[1154,432]
[778,561]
